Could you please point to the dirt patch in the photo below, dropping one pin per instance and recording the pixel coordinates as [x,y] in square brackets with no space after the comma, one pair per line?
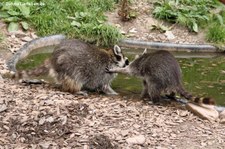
[40,117]
[140,28]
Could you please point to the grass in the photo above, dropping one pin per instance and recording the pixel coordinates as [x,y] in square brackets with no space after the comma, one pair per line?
[216,34]
[76,19]
[194,15]
[15,15]
[82,19]
[85,19]
[216,29]
[186,12]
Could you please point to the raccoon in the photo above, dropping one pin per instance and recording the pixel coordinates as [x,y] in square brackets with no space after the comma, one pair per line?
[77,65]
[160,72]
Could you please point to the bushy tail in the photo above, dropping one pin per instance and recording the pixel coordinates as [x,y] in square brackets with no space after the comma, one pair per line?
[198,100]
[31,46]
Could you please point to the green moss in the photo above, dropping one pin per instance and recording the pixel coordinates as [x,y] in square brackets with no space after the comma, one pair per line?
[216,33]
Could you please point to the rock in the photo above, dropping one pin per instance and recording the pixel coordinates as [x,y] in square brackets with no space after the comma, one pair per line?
[118,25]
[13,35]
[222,117]
[203,144]
[136,140]
[50,119]
[86,146]
[130,35]
[1,79]
[19,34]
[3,108]
[13,50]
[133,30]
[64,119]
[136,126]
[33,35]
[124,132]
[27,38]
[4,71]
[160,37]
[41,121]
[118,138]
[169,35]
[123,32]
[45,144]
[203,111]
[182,113]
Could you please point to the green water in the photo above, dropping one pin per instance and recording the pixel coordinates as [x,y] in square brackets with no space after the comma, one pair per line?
[205,77]
[203,74]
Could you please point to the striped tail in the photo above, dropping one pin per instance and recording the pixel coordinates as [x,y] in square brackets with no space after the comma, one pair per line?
[198,100]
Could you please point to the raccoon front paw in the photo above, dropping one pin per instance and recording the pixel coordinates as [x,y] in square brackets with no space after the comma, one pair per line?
[108,70]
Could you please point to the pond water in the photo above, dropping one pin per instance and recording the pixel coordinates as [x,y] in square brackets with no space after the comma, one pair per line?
[203,73]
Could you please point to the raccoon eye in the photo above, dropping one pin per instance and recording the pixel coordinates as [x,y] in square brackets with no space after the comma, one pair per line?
[118,58]
[127,62]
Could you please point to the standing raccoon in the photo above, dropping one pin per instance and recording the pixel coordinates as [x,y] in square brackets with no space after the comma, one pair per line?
[77,65]
[160,72]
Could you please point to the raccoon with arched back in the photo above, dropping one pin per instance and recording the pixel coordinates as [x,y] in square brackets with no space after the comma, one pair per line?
[80,65]
[76,65]
[160,72]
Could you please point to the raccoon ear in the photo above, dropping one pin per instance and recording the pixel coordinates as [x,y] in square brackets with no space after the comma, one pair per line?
[117,50]
[145,51]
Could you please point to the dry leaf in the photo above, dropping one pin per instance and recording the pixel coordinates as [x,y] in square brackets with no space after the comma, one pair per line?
[136,140]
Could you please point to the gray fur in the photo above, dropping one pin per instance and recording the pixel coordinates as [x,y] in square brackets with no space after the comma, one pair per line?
[78,65]
[160,73]
[74,64]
